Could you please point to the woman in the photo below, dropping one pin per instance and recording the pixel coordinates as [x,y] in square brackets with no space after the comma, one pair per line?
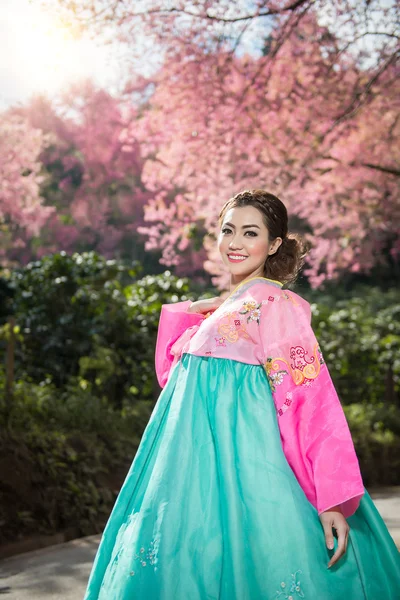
[246,484]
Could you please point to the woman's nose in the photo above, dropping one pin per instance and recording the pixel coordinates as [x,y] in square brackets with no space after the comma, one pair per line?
[235,244]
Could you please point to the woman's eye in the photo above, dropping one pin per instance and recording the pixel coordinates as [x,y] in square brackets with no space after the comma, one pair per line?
[227,231]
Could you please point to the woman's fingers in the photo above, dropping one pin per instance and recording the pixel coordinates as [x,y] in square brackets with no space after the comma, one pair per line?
[342,531]
[334,519]
[328,535]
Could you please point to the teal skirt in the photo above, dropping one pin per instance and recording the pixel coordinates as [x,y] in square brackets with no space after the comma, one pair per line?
[210,509]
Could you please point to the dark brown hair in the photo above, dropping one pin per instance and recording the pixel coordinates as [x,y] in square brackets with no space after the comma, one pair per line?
[284,265]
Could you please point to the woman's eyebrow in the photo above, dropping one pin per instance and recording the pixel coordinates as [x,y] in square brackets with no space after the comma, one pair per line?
[243,226]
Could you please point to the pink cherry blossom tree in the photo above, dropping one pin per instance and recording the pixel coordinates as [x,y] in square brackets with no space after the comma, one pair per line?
[94,164]
[267,94]
[22,210]
[335,169]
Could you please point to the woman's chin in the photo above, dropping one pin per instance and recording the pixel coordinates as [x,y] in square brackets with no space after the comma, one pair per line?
[240,273]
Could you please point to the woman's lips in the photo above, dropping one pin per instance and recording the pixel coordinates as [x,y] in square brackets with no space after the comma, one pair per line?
[236,258]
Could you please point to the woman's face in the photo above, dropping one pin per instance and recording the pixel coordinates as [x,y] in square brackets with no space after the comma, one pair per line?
[244,243]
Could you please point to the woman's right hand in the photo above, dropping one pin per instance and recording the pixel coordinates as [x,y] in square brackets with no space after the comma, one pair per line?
[205,306]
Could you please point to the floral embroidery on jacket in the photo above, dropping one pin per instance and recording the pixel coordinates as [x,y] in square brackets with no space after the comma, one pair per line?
[286,404]
[275,377]
[231,328]
[292,589]
[252,310]
[289,297]
[302,368]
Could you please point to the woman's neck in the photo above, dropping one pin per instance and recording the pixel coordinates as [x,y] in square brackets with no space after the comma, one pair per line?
[237,279]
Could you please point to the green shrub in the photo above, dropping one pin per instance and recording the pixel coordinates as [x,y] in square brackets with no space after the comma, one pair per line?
[360,339]
[63,459]
[85,383]
[375,429]
[82,316]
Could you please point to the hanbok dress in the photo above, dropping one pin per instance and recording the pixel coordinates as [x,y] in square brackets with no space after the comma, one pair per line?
[246,446]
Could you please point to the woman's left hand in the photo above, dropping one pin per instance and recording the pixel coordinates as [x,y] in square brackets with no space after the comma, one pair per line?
[333,518]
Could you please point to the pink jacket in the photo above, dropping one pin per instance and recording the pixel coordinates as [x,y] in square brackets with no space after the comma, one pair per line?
[259,323]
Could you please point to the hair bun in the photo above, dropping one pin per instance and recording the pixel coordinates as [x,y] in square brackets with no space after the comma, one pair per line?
[285,264]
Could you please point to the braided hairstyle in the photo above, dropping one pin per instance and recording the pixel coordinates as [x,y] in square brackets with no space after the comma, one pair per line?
[285,264]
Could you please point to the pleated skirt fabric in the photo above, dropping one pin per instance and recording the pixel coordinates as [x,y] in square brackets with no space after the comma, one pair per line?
[210,509]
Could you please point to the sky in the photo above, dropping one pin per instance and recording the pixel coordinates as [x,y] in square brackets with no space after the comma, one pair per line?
[38,55]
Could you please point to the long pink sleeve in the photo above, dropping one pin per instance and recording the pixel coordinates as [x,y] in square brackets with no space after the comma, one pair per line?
[174,322]
[314,431]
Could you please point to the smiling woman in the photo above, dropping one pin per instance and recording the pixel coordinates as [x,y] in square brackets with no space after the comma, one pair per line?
[246,484]
[41,54]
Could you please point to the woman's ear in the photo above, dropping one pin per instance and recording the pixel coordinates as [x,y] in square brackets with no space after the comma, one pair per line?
[275,245]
